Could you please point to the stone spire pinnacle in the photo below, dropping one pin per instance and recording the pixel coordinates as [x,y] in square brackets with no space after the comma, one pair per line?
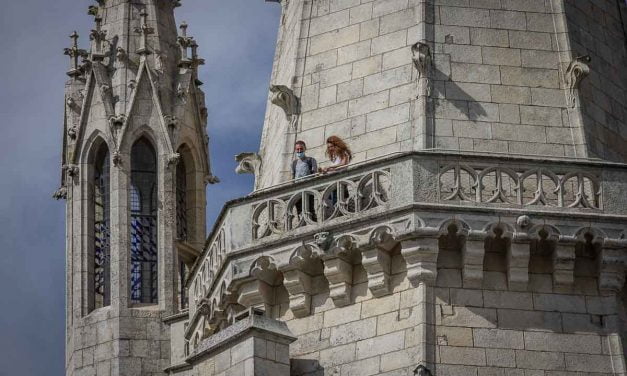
[74,53]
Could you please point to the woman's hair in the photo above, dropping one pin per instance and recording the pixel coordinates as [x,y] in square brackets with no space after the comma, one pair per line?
[339,144]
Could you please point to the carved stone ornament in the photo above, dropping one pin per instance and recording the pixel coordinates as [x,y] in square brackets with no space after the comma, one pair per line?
[72,132]
[173,159]
[577,70]
[285,98]
[60,194]
[71,170]
[421,56]
[74,53]
[211,179]
[523,221]
[421,370]
[249,163]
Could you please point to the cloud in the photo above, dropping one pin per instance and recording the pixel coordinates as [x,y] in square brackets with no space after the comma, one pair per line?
[237,39]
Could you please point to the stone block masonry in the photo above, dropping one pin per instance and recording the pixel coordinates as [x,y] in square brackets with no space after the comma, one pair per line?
[352,60]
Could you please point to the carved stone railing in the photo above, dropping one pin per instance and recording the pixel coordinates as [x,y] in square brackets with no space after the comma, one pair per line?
[406,205]
[522,185]
[320,204]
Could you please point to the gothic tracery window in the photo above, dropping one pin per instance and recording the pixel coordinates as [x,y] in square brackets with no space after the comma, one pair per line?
[102,231]
[143,203]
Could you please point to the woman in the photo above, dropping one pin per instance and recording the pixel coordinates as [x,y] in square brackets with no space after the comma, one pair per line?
[338,152]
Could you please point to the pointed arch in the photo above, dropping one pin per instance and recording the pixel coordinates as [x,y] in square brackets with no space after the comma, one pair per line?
[143,212]
[99,224]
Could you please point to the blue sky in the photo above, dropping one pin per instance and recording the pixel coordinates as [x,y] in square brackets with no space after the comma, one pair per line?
[237,39]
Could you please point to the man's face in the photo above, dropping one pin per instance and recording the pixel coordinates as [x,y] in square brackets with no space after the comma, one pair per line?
[298,148]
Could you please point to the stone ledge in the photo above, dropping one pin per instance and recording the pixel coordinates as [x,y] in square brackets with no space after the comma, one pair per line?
[252,324]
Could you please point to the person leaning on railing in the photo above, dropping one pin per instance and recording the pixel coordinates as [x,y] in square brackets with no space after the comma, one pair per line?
[338,152]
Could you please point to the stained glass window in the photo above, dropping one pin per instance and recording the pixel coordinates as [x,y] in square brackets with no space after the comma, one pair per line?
[102,231]
[143,202]
[181,201]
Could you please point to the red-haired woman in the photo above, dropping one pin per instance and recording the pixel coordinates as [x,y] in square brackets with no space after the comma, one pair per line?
[338,152]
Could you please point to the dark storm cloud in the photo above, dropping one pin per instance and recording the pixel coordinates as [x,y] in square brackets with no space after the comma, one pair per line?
[237,40]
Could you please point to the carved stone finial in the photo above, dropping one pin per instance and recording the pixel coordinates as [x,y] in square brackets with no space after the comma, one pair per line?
[92,10]
[97,37]
[74,53]
[60,194]
[249,163]
[144,30]
[196,61]
[577,70]
[185,42]
[285,98]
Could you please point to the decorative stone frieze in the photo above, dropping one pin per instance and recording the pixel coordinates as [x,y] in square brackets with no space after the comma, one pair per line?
[504,185]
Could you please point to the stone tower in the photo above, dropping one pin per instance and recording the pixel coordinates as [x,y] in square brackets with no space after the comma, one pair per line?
[135,165]
[529,77]
[481,228]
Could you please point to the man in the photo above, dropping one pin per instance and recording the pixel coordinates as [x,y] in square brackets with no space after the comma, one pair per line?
[304,166]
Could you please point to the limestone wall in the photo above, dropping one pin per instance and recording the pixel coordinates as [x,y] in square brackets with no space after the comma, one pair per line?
[498,81]
[596,30]
[490,330]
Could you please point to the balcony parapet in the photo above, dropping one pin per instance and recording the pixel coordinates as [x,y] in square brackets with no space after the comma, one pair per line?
[403,210]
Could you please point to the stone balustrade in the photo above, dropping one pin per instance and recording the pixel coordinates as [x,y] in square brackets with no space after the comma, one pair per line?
[401,217]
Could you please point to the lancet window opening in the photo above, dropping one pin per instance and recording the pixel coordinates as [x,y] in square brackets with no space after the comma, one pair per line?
[181,201]
[143,203]
[101,262]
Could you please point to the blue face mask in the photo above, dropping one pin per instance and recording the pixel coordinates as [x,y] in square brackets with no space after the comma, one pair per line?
[300,154]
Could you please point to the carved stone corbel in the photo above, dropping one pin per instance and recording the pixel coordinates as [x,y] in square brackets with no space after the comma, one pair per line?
[421,257]
[249,163]
[376,259]
[285,98]
[577,70]
[612,263]
[338,270]
[297,278]
[564,262]
[473,253]
[259,293]
[518,254]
